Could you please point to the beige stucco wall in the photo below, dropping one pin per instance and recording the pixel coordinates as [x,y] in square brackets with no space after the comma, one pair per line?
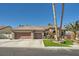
[32,35]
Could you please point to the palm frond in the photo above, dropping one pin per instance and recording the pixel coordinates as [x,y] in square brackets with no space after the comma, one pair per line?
[72,26]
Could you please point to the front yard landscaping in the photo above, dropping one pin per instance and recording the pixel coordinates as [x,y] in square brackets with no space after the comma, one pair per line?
[66,43]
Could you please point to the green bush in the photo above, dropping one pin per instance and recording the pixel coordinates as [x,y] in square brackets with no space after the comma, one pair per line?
[68,42]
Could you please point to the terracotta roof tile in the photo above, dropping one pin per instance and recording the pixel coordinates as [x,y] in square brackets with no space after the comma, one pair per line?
[1,27]
[31,28]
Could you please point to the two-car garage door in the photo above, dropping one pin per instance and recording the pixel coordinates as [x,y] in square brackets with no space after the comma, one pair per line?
[26,35]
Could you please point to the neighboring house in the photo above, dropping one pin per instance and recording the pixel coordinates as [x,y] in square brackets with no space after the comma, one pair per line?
[69,35]
[77,36]
[6,32]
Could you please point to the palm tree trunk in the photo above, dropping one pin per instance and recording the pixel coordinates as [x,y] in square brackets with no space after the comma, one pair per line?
[61,20]
[55,21]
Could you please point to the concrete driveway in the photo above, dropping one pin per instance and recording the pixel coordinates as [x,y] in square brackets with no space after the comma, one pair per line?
[21,43]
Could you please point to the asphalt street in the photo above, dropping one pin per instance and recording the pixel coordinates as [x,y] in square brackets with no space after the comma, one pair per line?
[12,51]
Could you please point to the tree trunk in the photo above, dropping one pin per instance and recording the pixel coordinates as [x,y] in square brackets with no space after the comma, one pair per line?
[55,22]
[74,36]
[61,21]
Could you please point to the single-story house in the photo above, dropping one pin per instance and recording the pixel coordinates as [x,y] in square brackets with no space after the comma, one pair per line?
[24,32]
[29,32]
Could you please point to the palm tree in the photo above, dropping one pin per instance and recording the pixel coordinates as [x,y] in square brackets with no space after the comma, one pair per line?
[55,21]
[73,27]
[61,19]
[49,25]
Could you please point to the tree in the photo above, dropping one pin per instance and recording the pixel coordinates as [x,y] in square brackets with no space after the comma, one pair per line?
[55,21]
[73,27]
[61,20]
[50,31]
[50,25]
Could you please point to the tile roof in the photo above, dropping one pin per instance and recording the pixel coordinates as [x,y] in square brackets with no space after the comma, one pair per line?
[1,27]
[31,28]
[5,31]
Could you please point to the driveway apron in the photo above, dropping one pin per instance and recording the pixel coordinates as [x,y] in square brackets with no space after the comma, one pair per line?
[21,43]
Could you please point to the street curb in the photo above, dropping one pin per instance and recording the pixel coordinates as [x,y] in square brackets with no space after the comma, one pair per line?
[48,48]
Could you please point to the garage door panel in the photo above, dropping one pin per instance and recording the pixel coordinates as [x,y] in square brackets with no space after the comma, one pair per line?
[37,35]
[23,35]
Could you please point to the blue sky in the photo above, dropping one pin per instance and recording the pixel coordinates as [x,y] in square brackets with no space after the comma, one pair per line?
[36,14]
